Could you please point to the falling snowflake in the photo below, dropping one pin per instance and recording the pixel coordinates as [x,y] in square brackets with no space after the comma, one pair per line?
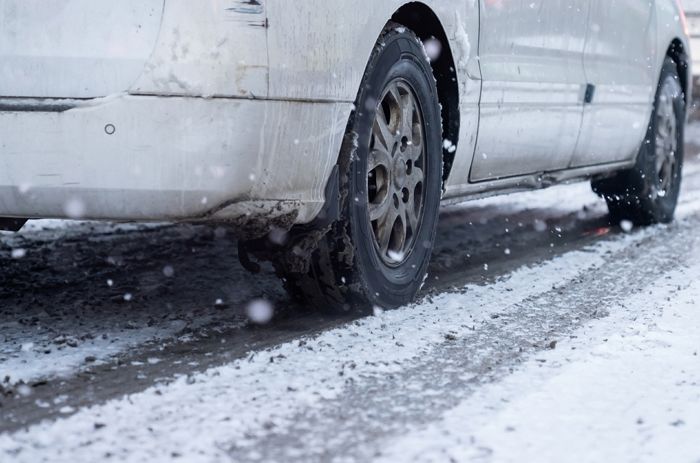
[433,48]
[260,311]
[18,253]
[74,208]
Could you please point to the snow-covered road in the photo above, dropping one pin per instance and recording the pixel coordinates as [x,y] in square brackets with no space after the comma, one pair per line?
[543,335]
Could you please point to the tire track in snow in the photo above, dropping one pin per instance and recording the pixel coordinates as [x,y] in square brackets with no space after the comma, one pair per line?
[228,410]
[208,345]
[355,426]
[626,388]
[105,334]
[95,291]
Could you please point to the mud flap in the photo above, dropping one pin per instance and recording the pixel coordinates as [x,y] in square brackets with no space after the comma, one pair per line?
[300,242]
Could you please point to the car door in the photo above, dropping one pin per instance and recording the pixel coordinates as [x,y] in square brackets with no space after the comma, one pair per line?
[618,61]
[531,57]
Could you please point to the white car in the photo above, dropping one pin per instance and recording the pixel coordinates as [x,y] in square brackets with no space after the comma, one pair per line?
[692,13]
[328,132]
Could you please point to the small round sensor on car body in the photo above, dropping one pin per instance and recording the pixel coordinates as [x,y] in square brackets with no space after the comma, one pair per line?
[110,129]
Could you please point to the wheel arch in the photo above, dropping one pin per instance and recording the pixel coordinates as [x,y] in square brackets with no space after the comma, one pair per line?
[677,52]
[423,21]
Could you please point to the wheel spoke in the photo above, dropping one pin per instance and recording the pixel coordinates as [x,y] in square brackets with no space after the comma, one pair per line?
[415,178]
[399,234]
[663,129]
[377,210]
[413,206]
[382,132]
[395,95]
[407,109]
[414,152]
[385,229]
[664,114]
[411,214]
[660,159]
[377,158]
[668,173]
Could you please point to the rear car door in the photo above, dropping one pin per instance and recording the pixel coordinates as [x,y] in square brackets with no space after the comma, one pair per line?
[531,56]
[618,62]
[86,48]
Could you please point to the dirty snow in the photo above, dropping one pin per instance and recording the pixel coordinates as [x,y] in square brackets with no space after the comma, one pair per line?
[560,369]
[626,388]
[199,417]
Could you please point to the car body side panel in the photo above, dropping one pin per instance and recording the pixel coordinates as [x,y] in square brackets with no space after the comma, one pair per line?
[464,42]
[692,12]
[199,138]
[669,27]
[620,62]
[319,49]
[531,55]
[666,27]
[323,52]
[242,117]
[75,48]
[153,158]
[216,48]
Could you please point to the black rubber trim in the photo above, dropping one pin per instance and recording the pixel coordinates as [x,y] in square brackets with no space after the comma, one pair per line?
[11,224]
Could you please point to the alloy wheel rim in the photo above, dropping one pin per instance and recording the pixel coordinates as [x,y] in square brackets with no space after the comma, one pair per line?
[666,137]
[396,173]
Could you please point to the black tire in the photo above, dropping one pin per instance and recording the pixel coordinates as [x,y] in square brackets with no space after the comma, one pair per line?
[642,195]
[348,270]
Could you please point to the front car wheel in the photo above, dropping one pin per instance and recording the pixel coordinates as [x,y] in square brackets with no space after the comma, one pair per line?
[377,253]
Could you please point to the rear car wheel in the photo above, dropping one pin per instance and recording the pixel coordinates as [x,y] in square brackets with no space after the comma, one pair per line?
[648,193]
[377,253]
